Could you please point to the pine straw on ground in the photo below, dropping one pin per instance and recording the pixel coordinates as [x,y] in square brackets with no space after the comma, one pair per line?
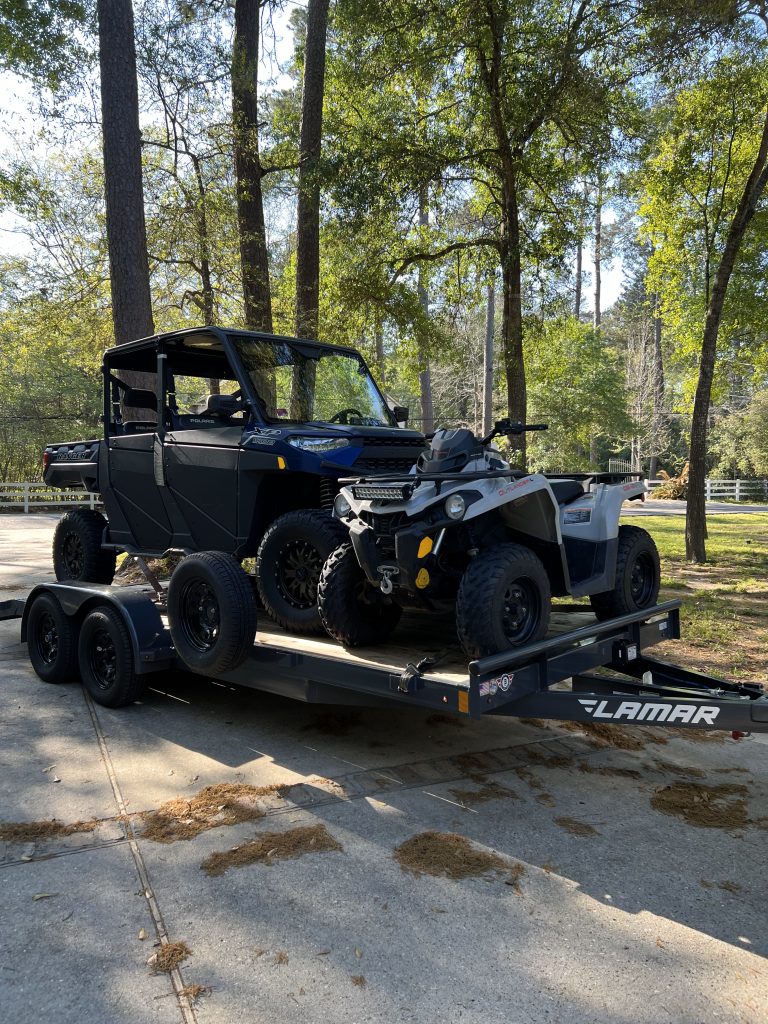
[227,803]
[31,831]
[445,854]
[194,992]
[488,791]
[722,806]
[623,737]
[576,828]
[271,846]
[169,956]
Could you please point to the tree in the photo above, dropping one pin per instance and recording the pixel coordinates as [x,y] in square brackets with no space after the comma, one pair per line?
[703,187]
[308,207]
[123,187]
[36,39]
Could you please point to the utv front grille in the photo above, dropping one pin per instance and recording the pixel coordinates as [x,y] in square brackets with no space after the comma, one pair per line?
[369,466]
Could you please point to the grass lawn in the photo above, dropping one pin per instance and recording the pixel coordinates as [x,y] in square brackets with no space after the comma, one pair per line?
[724,616]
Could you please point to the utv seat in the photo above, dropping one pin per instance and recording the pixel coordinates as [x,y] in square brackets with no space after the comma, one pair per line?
[139,398]
[566,491]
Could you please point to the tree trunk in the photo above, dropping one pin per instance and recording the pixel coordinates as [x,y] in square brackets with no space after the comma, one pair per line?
[658,388]
[598,315]
[490,315]
[577,297]
[512,312]
[380,362]
[425,376]
[254,257]
[126,227]
[695,519]
[308,212]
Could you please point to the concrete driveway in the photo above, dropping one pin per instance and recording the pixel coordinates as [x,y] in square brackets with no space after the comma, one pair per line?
[593,905]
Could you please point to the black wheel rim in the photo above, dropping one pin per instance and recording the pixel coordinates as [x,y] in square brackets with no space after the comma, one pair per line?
[521,610]
[72,554]
[642,579]
[103,659]
[47,639]
[200,615]
[298,573]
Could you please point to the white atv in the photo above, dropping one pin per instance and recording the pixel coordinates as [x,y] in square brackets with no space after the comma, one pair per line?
[465,529]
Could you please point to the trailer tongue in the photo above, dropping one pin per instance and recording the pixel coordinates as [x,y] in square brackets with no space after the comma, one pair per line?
[611,677]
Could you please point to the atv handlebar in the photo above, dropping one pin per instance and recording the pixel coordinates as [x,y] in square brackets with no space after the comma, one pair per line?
[506,427]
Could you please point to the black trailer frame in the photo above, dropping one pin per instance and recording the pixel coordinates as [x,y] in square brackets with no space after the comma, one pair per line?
[632,688]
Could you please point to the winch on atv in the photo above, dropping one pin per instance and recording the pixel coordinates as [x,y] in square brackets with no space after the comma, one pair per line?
[465,529]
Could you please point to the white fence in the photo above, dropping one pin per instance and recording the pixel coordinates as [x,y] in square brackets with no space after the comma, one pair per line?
[23,497]
[728,490]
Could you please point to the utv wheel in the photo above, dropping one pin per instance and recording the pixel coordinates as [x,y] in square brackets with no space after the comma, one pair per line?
[288,564]
[352,610]
[211,612]
[77,551]
[105,655]
[51,640]
[504,601]
[638,575]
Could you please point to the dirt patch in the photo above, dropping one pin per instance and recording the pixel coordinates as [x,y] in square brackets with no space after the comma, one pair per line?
[684,771]
[359,980]
[472,766]
[722,806]
[445,854]
[609,770]
[32,831]
[549,760]
[623,737]
[488,791]
[227,803]
[576,828]
[333,723]
[169,956]
[456,723]
[272,846]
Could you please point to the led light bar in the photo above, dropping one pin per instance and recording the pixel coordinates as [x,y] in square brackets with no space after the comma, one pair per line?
[382,492]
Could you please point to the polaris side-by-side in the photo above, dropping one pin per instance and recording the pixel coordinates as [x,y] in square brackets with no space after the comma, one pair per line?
[463,528]
[227,444]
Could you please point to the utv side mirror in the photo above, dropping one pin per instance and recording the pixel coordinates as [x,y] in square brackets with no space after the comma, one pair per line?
[400,412]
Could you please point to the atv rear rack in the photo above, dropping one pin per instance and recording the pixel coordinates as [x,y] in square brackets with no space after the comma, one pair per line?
[611,676]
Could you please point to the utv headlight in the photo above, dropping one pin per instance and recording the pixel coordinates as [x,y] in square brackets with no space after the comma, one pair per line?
[318,445]
[454,506]
[341,507]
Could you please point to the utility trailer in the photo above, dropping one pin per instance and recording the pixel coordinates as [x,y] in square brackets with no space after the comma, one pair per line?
[600,671]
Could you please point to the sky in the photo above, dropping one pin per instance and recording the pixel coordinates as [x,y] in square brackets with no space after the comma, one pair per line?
[16,120]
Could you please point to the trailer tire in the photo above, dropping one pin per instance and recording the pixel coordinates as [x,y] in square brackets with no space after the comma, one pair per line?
[105,654]
[77,550]
[288,566]
[637,579]
[352,610]
[211,612]
[51,640]
[504,601]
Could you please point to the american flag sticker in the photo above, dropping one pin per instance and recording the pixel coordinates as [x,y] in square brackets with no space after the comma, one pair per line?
[485,688]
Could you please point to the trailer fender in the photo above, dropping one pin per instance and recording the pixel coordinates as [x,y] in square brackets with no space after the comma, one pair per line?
[150,639]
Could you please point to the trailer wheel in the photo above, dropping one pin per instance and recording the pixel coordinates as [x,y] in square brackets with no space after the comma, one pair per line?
[211,612]
[353,611]
[504,601]
[638,575]
[106,662]
[51,640]
[77,550]
[288,564]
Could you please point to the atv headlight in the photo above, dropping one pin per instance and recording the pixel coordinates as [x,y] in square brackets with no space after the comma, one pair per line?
[454,506]
[318,445]
[341,507]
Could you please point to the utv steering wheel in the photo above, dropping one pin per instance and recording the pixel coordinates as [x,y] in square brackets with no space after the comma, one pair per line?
[337,417]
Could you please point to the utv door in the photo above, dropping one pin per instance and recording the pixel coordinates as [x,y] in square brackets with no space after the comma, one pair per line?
[140,518]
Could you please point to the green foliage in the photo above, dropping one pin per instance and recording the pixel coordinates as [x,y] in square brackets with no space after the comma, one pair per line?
[739,443]
[36,38]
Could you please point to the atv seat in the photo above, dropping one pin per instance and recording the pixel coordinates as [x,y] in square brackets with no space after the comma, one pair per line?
[566,491]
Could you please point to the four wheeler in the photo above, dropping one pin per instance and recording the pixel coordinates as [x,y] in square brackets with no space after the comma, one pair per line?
[225,444]
[465,530]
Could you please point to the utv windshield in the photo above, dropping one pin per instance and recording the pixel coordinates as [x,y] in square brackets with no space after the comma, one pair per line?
[301,383]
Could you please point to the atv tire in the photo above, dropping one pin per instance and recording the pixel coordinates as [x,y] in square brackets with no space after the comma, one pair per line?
[105,654]
[288,565]
[51,640]
[211,612]
[637,578]
[77,550]
[353,611]
[504,601]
